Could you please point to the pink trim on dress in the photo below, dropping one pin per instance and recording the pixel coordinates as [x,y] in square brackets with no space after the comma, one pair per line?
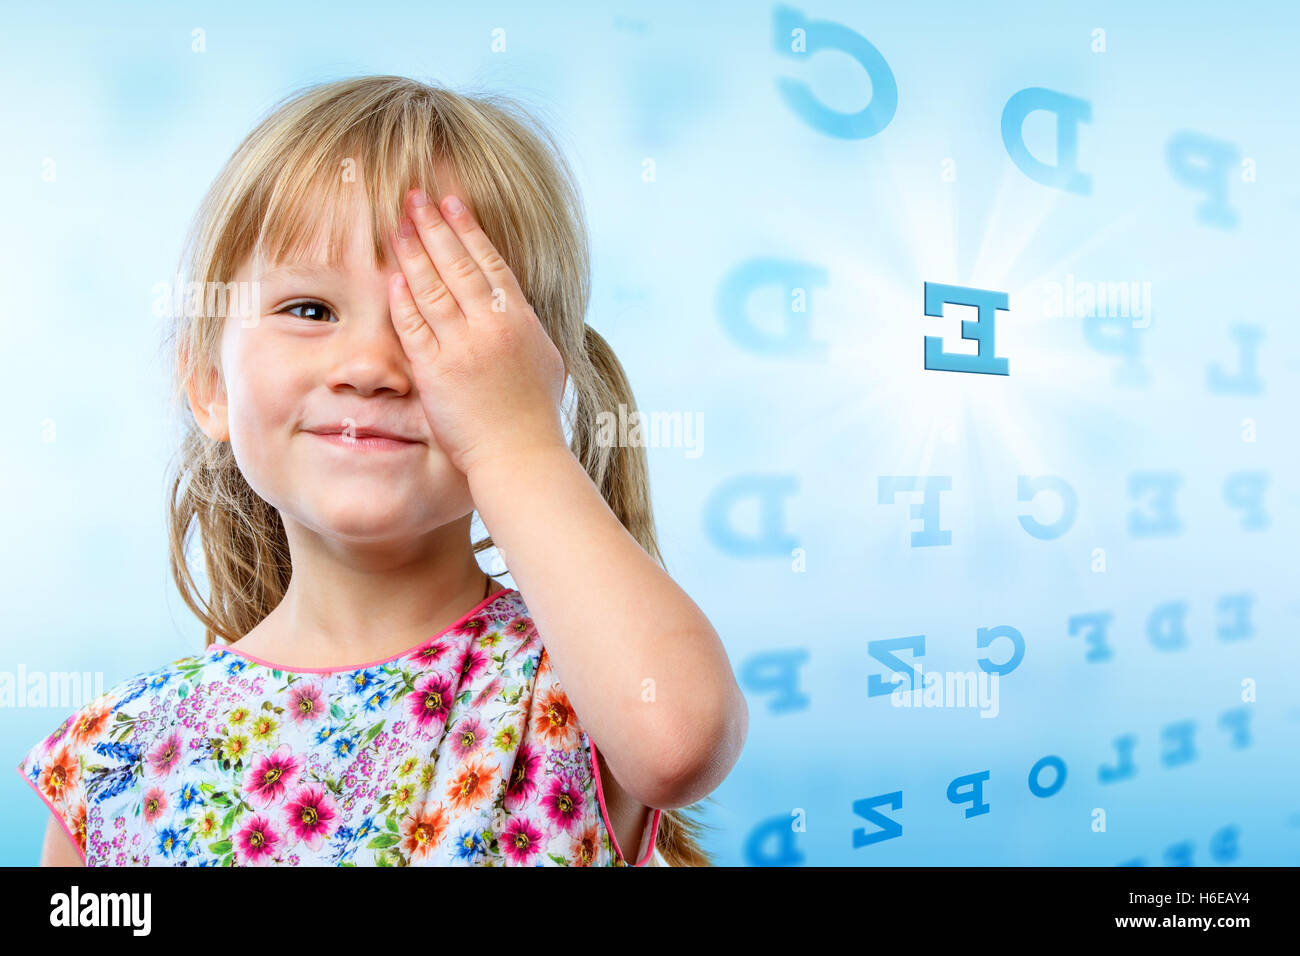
[604,813]
[57,815]
[232,649]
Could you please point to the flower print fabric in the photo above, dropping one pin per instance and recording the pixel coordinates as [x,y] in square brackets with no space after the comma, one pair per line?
[463,751]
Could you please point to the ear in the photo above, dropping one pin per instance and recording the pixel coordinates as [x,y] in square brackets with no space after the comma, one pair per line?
[208,403]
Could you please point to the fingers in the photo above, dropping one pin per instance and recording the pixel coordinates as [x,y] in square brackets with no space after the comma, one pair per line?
[417,335]
[434,297]
[452,268]
[505,291]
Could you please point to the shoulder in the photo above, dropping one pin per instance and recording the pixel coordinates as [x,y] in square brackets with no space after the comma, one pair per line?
[506,643]
[97,723]
[506,614]
[92,754]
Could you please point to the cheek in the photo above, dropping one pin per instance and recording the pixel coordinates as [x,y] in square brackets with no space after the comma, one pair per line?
[263,404]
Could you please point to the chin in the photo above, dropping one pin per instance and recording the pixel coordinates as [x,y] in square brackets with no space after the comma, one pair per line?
[381,517]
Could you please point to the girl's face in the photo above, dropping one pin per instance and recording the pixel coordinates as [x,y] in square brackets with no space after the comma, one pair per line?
[320,353]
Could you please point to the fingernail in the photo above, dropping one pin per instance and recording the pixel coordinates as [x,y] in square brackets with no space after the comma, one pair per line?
[455,206]
[420,198]
[405,227]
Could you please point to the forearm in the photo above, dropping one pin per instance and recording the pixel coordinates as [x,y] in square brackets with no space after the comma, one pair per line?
[640,663]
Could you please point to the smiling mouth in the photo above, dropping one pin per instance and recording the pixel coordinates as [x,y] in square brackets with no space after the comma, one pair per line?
[364,442]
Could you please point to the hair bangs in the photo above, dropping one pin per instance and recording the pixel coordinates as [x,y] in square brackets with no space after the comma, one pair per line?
[309,212]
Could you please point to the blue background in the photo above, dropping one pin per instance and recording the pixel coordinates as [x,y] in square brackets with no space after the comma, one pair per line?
[696,285]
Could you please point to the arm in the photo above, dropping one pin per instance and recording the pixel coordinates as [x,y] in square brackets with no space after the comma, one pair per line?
[611,620]
[58,849]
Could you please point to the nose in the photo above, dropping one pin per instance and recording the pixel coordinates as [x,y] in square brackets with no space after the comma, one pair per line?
[367,357]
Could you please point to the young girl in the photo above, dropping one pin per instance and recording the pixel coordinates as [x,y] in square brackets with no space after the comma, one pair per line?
[418,267]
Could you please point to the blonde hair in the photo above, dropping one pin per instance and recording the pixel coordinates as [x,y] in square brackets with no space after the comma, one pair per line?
[390,130]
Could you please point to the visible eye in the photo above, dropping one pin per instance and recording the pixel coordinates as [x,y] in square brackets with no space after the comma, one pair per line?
[317,307]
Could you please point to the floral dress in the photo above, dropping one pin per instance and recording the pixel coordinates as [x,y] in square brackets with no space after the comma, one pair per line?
[463,751]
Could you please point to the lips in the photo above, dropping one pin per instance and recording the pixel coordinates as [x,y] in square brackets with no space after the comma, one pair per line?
[363,431]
